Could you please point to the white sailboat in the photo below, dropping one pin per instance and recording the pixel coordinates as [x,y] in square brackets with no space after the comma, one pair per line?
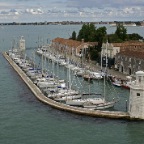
[104,104]
[81,102]
[69,94]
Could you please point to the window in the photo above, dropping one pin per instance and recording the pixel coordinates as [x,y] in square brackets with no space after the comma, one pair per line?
[129,59]
[138,94]
[139,79]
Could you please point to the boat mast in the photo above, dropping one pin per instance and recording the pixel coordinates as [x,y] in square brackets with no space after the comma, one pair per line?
[105,74]
[69,76]
[33,59]
[42,63]
[101,61]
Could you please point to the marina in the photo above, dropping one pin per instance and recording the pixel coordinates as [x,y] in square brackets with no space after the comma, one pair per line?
[64,107]
[58,93]
[25,119]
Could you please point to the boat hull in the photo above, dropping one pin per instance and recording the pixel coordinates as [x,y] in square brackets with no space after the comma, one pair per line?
[65,98]
[80,102]
[102,106]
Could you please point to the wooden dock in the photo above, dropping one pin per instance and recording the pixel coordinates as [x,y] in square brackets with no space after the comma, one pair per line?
[82,111]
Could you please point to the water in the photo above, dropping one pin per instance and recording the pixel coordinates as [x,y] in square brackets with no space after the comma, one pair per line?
[25,120]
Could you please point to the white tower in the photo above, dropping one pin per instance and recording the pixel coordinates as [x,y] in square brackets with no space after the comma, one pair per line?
[22,44]
[136,99]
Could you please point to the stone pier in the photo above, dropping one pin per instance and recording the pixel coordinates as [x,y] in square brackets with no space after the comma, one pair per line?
[77,110]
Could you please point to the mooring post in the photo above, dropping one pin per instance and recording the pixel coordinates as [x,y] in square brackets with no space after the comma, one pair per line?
[126,105]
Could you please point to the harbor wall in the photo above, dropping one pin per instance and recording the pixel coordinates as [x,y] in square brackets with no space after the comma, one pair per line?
[77,110]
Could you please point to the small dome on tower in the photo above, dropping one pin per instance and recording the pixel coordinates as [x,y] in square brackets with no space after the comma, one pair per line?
[139,73]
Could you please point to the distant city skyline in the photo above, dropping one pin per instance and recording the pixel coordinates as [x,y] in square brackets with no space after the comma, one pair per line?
[71,10]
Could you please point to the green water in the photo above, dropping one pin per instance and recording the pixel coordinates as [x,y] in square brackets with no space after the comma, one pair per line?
[25,120]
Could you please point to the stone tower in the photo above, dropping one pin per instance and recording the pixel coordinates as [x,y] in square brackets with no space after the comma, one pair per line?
[136,99]
[22,44]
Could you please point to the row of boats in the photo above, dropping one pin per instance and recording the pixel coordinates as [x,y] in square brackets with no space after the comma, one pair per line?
[83,71]
[78,69]
[57,89]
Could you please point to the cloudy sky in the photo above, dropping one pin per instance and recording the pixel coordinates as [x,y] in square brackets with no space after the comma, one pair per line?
[75,10]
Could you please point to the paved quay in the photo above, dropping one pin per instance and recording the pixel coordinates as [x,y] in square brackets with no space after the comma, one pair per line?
[77,110]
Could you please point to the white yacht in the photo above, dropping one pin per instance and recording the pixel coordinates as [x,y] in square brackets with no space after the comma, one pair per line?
[80,102]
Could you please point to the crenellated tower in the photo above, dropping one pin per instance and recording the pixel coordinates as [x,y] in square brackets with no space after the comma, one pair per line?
[136,99]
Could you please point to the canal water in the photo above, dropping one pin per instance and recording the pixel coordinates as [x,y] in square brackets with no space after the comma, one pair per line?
[25,120]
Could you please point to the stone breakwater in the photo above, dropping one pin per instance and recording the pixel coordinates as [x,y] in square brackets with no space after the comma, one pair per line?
[77,110]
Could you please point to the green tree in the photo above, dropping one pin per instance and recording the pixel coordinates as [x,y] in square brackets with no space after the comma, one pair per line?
[121,32]
[92,33]
[113,38]
[87,33]
[82,33]
[73,35]
[134,36]
[92,53]
[101,35]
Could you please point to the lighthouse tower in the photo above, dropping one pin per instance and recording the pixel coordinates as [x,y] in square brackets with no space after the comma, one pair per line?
[22,44]
[136,99]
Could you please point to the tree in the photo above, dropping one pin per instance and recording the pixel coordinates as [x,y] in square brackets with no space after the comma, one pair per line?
[113,38]
[134,36]
[87,33]
[101,33]
[92,32]
[92,53]
[101,36]
[73,35]
[121,32]
[82,33]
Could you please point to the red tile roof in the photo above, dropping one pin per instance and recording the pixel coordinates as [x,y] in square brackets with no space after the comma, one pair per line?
[128,43]
[71,43]
[135,54]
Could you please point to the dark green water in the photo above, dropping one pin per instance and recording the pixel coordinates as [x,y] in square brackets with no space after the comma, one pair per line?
[25,120]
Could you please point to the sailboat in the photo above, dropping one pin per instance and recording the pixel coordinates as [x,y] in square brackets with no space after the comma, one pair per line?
[104,103]
[86,97]
[87,76]
[69,93]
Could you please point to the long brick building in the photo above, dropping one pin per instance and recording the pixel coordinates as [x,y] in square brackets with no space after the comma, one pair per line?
[71,47]
[130,59]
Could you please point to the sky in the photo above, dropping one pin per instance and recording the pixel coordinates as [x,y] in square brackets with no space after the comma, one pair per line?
[71,10]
